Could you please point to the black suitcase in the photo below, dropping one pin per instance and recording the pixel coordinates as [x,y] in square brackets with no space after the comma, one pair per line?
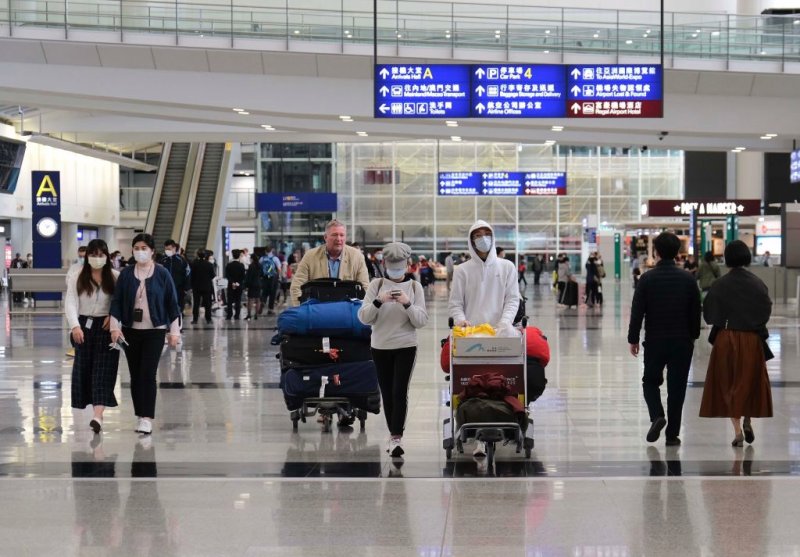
[332,290]
[302,352]
[570,295]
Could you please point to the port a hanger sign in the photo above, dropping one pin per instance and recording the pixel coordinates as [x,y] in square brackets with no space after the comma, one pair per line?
[703,208]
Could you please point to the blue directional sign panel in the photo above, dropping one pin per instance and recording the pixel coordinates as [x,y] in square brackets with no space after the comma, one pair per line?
[422,91]
[502,183]
[794,167]
[294,202]
[518,91]
[615,91]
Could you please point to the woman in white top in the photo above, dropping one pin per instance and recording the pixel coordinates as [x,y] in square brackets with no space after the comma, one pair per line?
[395,307]
[94,370]
[144,310]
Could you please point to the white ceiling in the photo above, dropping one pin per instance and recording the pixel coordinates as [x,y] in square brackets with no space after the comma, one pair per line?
[123,93]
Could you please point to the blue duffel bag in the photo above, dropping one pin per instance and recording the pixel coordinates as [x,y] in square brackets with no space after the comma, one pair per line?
[356,381]
[335,319]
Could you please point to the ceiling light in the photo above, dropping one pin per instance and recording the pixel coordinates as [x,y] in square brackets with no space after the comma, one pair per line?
[550,142]
[297,31]
[629,41]
[557,128]
[451,123]
[346,118]
[362,134]
[694,35]
[698,30]
[243,113]
[497,32]
[648,31]
[771,134]
[399,36]
[796,22]
[547,52]
[715,33]
[455,138]
[596,36]
[238,109]
[547,31]
[268,127]
[644,36]
[766,137]
[763,52]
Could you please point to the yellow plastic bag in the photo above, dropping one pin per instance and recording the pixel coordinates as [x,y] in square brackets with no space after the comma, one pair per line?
[482,330]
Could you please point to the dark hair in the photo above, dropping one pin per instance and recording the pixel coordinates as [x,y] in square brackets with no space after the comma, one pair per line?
[86,283]
[667,245]
[83,248]
[236,253]
[146,238]
[708,257]
[201,253]
[170,243]
[498,249]
[737,254]
[253,258]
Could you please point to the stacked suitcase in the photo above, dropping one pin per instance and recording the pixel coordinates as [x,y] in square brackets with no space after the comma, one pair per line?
[328,374]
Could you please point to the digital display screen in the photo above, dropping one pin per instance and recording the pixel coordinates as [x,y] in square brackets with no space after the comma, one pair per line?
[11,154]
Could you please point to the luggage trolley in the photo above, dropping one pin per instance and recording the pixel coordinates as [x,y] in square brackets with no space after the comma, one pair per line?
[512,364]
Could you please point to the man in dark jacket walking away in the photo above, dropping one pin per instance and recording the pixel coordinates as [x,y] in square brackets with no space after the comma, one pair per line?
[234,272]
[202,286]
[179,269]
[668,301]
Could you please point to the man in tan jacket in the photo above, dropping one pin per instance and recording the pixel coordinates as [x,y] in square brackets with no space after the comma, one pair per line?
[334,259]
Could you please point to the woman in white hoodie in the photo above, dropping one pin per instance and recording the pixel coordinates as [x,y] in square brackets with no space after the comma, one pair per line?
[484,290]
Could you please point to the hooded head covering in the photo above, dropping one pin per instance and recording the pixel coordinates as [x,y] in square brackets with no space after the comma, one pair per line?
[491,255]
[395,255]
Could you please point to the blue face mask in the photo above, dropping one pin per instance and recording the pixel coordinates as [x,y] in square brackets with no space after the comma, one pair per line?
[395,273]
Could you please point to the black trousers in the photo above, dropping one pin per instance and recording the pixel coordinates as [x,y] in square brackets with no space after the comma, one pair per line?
[676,356]
[536,275]
[204,298]
[592,297]
[522,279]
[269,291]
[143,352]
[394,375]
[234,306]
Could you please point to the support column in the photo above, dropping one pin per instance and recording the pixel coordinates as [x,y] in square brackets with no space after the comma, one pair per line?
[749,175]
[69,243]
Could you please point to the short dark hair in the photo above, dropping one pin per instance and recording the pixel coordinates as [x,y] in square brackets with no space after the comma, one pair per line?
[709,257]
[737,254]
[236,253]
[82,248]
[170,243]
[146,238]
[667,245]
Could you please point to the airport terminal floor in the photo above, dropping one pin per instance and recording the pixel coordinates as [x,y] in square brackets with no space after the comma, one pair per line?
[224,474]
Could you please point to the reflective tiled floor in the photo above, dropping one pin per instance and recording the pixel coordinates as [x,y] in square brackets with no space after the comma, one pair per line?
[224,474]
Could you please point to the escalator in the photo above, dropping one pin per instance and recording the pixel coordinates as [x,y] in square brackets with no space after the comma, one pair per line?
[205,198]
[164,207]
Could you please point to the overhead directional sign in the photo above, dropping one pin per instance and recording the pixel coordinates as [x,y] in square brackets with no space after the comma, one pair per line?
[614,91]
[502,183]
[518,91]
[417,91]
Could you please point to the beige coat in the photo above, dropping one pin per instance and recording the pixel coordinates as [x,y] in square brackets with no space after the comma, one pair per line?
[314,265]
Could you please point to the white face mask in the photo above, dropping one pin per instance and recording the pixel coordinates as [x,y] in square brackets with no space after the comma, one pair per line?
[379,256]
[81,260]
[142,256]
[97,262]
[484,243]
[395,273]
[169,252]
[211,260]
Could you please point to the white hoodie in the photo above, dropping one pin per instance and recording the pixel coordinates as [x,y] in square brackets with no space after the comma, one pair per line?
[484,291]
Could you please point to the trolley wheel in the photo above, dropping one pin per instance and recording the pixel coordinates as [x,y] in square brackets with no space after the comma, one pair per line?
[326,424]
[448,453]
[295,417]
[362,418]
[345,421]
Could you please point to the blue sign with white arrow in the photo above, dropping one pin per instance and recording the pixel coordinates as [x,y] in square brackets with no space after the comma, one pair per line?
[422,91]
[503,183]
[518,91]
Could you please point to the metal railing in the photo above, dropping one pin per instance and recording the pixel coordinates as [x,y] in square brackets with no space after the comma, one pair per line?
[450,26]
[135,199]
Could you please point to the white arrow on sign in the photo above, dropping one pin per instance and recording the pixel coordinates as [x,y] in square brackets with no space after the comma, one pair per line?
[384,90]
[441,183]
[575,90]
[383,108]
[480,73]
[575,108]
[384,72]
[480,90]
[576,73]
[480,108]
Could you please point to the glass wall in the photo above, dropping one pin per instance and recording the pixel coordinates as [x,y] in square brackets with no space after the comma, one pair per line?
[389,191]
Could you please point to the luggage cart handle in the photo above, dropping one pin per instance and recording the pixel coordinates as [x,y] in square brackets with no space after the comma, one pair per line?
[450,322]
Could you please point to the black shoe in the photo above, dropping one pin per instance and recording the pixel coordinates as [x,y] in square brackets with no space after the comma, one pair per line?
[208,321]
[738,441]
[747,428]
[655,429]
[673,441]
[194,322]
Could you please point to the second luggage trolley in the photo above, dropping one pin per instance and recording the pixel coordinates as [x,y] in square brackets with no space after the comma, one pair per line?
[511,361]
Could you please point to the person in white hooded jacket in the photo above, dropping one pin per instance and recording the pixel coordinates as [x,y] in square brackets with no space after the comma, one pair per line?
[484,289]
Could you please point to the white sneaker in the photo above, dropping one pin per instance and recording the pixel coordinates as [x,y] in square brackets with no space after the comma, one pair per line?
[96,424]
[480,449]
[145,426]
[395,448]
